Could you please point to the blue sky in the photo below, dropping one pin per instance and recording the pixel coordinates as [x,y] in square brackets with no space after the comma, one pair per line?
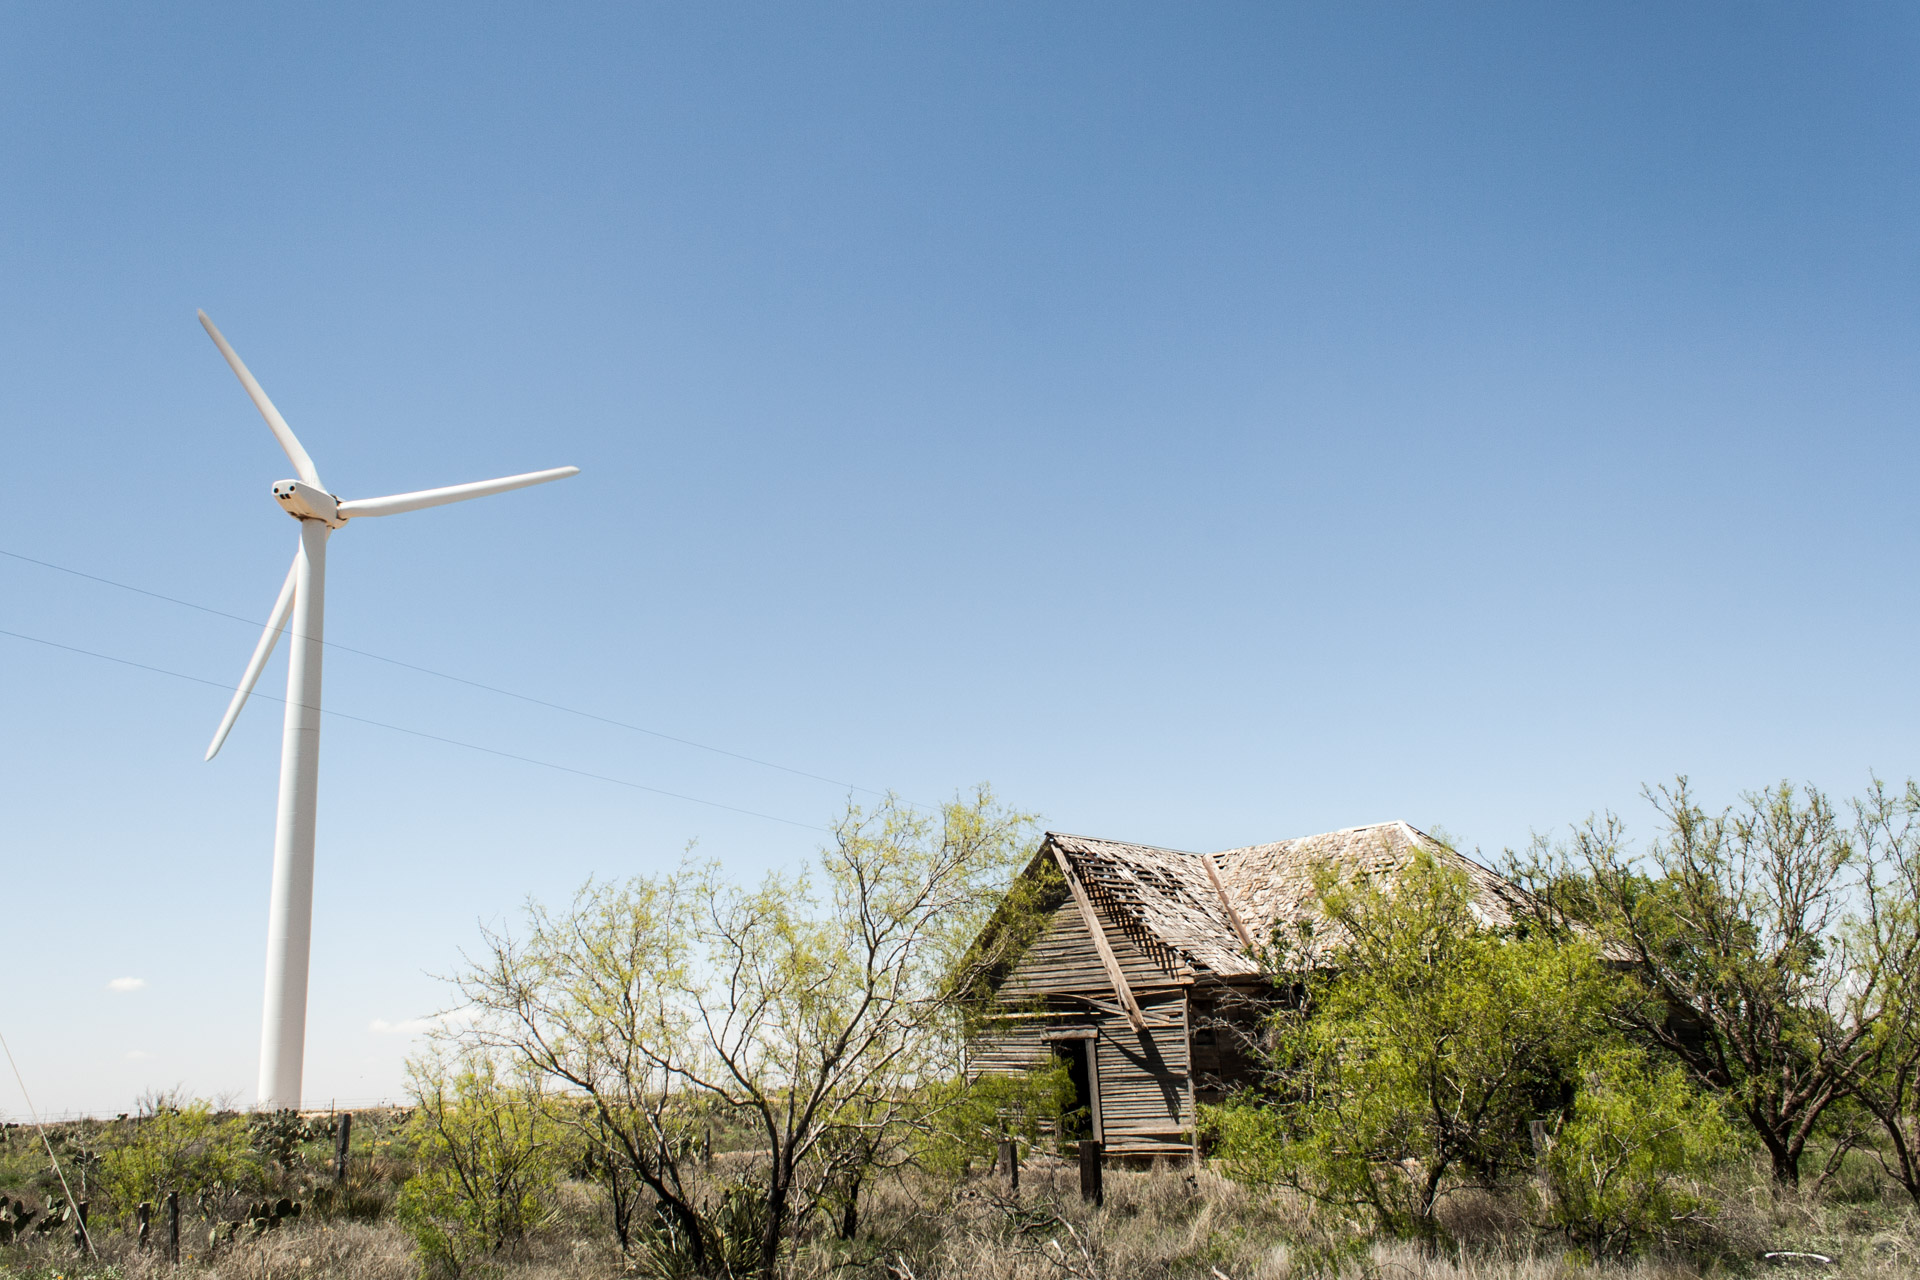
[1206,424]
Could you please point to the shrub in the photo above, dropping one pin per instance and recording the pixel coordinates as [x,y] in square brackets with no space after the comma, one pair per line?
[487,1155]
[177,1145]
[1622,1172]
[1415,1063]
[967,1119]
[732,1229]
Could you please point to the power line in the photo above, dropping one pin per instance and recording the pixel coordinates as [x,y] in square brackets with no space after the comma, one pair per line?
[475,684]
[420,733]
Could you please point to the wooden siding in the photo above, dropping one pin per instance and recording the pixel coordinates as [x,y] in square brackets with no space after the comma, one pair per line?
[1063,959]
[1006,1048]
[1143,1078]
[1060,990]
[1145,1098]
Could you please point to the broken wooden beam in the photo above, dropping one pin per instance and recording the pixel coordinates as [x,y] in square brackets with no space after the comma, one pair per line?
[1220,887]
[1100,944]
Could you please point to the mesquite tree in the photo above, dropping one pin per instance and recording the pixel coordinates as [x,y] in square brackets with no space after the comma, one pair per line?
[819,1012]
[1886,938]
[1736,928]
[1420,1045]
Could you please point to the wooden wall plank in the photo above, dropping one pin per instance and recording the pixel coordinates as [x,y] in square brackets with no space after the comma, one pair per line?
[1064,958]
[1145,1088]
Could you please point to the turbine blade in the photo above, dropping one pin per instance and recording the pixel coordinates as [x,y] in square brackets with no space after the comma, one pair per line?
[281,431]
[394,504]
[276,623]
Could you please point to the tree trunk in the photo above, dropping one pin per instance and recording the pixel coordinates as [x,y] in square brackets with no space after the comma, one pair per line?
[696,1233]
[776,1223]
[622,1205]
[1786,1163]
[1907,1167]
[1426,1222]
[850,1212]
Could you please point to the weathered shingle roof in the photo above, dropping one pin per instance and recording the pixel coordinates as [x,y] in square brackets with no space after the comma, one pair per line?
[1272,884]
[1167,895]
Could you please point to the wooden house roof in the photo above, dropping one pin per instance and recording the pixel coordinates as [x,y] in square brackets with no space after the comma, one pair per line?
[1171,896]
[1162,892]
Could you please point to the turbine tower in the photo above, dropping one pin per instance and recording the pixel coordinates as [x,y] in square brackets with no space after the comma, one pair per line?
[283,1031]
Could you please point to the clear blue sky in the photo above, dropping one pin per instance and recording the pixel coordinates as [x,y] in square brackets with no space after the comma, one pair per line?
[1208,424]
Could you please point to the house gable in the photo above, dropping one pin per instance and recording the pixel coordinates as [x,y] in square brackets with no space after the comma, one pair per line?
[1063,960]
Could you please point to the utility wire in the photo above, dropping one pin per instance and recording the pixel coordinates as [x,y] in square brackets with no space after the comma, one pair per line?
[85,1236]
[475,684]
[420,733]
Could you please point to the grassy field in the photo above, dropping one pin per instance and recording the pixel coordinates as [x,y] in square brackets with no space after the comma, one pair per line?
[1172,1222]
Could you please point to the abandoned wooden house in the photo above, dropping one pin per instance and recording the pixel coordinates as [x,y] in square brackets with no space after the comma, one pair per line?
[1143,967]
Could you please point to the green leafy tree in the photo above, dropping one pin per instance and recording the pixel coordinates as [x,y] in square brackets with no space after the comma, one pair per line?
[176,1144]
[1734,929]
[1884,938]
[819,1012]
[1420,1053]
[1625,1167]
[487,1150]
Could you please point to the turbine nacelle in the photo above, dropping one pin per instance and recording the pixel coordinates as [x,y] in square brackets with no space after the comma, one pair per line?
[304,502]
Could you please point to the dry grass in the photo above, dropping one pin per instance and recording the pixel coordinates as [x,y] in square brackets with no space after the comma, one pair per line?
[1169,1224]
[1164,1225]
[304,1251]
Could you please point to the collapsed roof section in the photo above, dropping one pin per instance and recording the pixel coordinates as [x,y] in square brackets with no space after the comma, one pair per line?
[1212,909]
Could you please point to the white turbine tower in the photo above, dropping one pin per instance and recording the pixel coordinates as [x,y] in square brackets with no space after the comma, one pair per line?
[283,1032]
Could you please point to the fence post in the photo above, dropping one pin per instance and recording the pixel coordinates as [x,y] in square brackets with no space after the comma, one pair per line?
[1090,1188]
[1008,1164]
[143,1214]
[342,1136]
[173,1226]
[83,1239]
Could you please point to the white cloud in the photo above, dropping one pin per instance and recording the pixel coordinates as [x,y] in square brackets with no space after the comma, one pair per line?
[408,1027]
[419,1026]
[138,1055]
[126,984]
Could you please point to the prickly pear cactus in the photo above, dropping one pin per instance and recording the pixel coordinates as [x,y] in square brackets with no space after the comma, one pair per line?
[55,1216]
[264,1215]
[277,1136]
[14,1217]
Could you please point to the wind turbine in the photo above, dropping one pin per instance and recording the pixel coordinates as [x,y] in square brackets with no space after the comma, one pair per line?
[283,1032]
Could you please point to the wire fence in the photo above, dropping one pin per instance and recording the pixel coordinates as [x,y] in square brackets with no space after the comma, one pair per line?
[308,1106]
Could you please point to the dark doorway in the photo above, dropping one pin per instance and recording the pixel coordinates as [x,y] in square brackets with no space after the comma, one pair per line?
[1076,1114]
